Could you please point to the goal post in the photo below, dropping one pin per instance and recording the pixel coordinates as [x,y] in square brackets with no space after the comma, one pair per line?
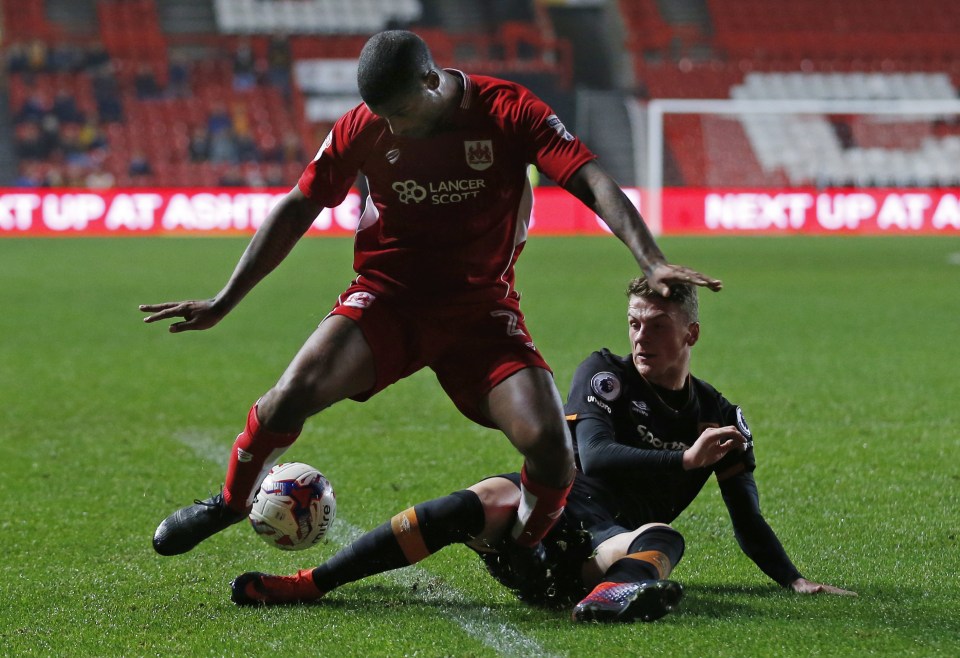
[649,148]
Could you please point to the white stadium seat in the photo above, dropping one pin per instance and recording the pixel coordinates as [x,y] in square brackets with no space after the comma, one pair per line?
[807,148]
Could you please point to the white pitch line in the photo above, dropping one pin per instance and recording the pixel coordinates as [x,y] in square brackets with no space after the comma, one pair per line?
[476,622]
[954,258]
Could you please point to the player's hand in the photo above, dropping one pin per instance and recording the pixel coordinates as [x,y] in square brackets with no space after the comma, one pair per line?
[712,446]
[663,274]
[196,314]
[804,586]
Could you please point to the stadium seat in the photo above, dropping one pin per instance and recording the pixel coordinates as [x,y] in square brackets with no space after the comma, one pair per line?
[885,150]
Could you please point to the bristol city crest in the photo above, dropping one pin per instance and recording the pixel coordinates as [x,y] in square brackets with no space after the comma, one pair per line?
[479,154]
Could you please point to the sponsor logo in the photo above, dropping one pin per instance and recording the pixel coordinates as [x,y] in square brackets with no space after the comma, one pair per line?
[409,190]
[640,407]
[479,154]
[742,424]
[648,437]
[393,155]
[441,192]
[455,191]
[554,122]
[243,455]
[602,405]
[606,385]
[360,300]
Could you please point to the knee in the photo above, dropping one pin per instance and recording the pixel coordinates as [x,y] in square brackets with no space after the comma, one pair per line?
[292,400]
[660,537]
[655,526]
[541,435]
[499,498]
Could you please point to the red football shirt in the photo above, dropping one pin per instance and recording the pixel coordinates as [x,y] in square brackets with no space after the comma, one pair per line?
[447,214]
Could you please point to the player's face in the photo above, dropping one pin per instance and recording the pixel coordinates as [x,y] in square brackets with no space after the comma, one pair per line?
[660,339]
[415,114]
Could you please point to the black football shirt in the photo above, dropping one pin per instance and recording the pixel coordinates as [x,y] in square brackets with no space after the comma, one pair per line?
[635,470]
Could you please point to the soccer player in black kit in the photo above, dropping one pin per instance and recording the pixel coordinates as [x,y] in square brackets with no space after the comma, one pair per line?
[648,436]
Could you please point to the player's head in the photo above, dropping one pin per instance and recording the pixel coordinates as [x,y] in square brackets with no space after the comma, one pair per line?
[662,330]
[399,81]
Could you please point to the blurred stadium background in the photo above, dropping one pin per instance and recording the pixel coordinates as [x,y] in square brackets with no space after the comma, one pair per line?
[108,95]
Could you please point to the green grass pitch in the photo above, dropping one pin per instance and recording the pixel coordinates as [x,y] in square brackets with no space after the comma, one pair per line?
[844,353]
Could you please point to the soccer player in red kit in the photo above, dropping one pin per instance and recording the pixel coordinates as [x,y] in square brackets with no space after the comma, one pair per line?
[445,156]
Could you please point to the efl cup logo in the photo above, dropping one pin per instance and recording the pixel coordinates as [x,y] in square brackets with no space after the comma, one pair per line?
[554,122]
[359,300]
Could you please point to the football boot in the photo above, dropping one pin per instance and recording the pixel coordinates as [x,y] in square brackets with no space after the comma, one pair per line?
[254,588]
[187,527]
[646,600]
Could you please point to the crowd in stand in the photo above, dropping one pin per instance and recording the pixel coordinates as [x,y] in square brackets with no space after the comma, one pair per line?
[57,129]
[61,142]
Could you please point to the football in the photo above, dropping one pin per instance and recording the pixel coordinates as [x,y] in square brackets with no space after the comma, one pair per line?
[294,507]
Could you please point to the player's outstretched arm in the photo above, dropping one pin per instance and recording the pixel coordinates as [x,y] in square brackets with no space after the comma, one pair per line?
[804,586]
[598,191]
[281,230]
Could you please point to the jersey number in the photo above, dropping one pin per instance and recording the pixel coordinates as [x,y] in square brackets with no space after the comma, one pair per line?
[512,322]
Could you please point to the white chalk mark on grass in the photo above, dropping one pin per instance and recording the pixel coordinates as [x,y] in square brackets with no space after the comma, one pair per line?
[479,623]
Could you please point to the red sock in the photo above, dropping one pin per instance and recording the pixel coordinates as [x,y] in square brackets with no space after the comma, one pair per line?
[540,507]
[254,453]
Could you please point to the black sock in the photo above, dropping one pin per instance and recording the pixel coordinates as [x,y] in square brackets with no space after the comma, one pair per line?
[652,556]
[406,539]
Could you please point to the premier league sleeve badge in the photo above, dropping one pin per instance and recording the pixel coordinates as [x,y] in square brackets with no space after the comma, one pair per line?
[606,385]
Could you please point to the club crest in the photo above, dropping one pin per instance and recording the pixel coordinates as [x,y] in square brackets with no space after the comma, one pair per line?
[479,153]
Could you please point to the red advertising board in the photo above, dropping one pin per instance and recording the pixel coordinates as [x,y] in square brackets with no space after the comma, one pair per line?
[874,211]
[685,211]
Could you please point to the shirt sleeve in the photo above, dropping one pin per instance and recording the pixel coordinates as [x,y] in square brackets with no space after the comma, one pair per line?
[328,178]
[550,146]
[601,455]
[736,461]
[583,401]
[755,536]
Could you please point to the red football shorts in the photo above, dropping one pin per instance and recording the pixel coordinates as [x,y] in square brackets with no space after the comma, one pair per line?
[471,348]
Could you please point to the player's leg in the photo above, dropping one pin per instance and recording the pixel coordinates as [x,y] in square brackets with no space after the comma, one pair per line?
[633,568]
[500,498]
[334,363]
[527,408]
[481,513]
